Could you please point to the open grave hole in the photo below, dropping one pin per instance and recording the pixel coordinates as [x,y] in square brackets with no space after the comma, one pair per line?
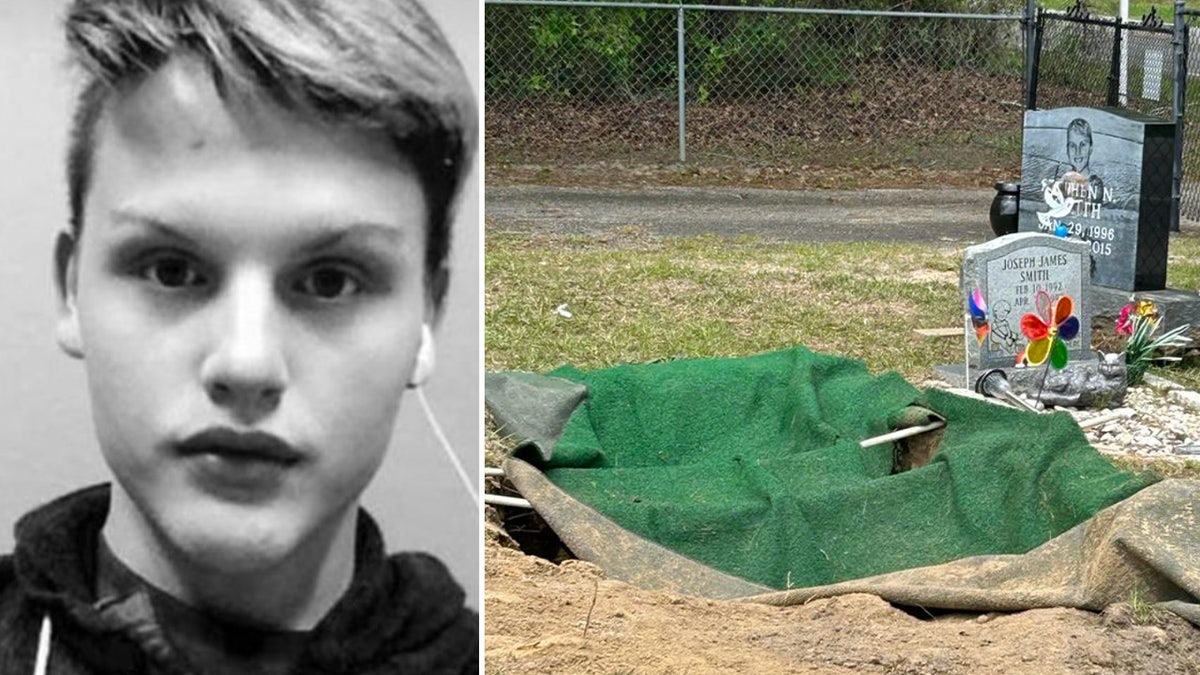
[522,528]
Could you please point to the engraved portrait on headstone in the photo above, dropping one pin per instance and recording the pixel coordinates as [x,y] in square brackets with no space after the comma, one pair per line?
[1098,175]
[1081,182]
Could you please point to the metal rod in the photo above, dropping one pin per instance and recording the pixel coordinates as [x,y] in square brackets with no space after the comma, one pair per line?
[1045,372]
[501,500]
[681,66]
[493,471]
[1012,398]
[765,10]
[967,337]
[900,433]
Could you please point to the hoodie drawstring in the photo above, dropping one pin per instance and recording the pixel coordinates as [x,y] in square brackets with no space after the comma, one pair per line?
[43,650]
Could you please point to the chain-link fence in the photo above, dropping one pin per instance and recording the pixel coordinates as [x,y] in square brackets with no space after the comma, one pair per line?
[787,86]
[1189,206]
[1088,60]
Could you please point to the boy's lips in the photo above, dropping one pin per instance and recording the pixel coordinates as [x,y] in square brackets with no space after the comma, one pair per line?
[240,445]
[239,466]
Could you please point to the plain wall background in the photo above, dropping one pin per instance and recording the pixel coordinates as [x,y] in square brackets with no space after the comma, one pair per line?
[47,447]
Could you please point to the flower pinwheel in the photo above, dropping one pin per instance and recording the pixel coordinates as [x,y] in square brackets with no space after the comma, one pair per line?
[978,309]
[1049,329]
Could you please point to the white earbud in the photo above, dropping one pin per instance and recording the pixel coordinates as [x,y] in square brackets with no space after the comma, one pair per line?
[426,358]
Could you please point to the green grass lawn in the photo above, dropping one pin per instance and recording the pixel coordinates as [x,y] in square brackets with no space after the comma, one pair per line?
[636,298]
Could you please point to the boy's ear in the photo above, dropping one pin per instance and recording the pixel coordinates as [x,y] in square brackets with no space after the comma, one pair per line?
[66,250]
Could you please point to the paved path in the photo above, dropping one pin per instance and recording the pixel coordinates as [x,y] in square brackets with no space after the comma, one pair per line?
[947,216]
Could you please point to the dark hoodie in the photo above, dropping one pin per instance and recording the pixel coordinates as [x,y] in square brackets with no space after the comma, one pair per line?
[401,614]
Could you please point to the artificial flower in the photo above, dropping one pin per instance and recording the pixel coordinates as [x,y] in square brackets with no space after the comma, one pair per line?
[1125,321]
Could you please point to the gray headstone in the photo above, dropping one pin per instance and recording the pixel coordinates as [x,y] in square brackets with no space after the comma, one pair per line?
[1105,174]
[1009,271]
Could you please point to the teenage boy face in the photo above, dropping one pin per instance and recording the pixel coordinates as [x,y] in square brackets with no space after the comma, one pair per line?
[1079,150]
[247,295]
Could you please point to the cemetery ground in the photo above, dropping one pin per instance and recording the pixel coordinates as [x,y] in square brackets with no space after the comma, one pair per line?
[628,295]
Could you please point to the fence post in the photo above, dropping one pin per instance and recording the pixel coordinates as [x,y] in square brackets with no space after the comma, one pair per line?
[1028,23]
[680,65]
[1114,67]
[1179,42]
[1033,58]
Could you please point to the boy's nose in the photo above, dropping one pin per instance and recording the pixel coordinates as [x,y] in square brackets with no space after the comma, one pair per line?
[245,372]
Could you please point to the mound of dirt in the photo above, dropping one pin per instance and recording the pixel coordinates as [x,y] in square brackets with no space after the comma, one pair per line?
[542,617]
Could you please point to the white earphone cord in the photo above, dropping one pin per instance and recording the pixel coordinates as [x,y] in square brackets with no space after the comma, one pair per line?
[442,440]
[42,659]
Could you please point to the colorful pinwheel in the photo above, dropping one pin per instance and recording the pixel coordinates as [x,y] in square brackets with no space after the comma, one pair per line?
[978,307]
[1049,329]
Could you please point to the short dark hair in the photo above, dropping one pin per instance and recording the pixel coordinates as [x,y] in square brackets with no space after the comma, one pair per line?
[1081,126]
[375,64]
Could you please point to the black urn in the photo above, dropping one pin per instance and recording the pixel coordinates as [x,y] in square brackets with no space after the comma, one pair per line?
[1005,205]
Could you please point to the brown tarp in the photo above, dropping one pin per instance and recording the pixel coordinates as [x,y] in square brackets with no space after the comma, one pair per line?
[1147,546]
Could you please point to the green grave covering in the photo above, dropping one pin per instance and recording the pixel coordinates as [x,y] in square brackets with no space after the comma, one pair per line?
[752,466]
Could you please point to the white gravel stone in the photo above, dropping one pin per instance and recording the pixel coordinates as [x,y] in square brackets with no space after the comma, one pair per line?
[1158,420]
[1187,399]
[1160,383]
[1160,426]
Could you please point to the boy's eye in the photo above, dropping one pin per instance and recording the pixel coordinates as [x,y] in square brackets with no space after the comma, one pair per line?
[173,272]
[328,283]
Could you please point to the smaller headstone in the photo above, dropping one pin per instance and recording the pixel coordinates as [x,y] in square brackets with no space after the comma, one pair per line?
[1008,273]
